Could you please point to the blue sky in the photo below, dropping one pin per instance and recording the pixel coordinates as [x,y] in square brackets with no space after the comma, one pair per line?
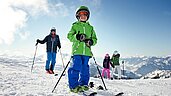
[133,27]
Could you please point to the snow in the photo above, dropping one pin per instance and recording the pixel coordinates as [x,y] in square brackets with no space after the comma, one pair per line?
[17,80]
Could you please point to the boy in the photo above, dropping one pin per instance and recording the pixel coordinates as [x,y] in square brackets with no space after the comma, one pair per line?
[83,37]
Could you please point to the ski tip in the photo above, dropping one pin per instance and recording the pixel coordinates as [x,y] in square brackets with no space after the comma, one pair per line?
[89,94]
[93,94]
[119,94]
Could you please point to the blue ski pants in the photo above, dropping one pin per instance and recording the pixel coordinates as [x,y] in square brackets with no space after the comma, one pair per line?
[51,58]
[78,73]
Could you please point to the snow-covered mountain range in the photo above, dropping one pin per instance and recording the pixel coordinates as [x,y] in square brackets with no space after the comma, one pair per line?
[137,67]
[17,80]
[134,67]
[144,65]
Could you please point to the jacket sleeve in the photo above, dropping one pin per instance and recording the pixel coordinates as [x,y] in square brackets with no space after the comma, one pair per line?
[103,62]
[93,37]
[118,55]
[72,34]
[44,40]
[111,59]
[59,43]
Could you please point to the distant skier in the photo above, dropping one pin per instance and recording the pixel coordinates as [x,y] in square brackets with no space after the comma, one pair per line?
[106,66]
[52,41]
[83,36]
[116,64]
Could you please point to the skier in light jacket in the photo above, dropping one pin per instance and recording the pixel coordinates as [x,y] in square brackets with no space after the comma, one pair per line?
[116,64]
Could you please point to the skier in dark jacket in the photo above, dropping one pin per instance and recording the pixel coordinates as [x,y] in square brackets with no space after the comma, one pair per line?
[52,41]
[106,66]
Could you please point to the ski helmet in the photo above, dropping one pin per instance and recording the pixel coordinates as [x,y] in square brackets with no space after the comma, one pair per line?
[53,29]
[82,8]
[115,52]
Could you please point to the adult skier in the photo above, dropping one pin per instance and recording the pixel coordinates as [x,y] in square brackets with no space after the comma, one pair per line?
[83,36]
[116,64]
[52,41]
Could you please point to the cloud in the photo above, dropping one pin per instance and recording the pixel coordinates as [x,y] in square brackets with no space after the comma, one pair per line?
[24,35]
[58,9]
[95,3]
[32,7]
[10,20]
[14,15]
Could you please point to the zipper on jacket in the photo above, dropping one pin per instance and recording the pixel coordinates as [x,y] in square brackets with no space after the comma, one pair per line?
[52,39]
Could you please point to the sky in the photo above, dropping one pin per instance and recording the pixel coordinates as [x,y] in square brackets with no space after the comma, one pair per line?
[132,27]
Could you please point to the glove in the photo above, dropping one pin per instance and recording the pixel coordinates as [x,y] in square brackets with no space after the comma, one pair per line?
[59,46]
[112,64]
[81,37]
[89,42]
[37,41]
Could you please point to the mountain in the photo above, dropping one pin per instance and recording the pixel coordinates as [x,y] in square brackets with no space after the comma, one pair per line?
[158,74]
[145,65]
[17,80]
[134,67]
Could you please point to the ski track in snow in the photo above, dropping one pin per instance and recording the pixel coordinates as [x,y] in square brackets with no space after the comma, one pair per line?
[17,80]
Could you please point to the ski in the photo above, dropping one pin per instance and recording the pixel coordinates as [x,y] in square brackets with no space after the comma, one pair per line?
[119,94]
[86,93]
[58,74]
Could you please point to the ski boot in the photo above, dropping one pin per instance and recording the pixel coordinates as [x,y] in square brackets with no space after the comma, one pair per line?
[76,89]
[84,88]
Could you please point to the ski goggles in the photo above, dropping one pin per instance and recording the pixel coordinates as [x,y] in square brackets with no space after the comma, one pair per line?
[83,13]
[53,30]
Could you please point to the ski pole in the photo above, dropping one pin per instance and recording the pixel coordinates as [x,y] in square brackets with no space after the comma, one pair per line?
[98,70]
[123,67]
[62,74]
[100,73]
[62,59]
[34,58]
[65,68]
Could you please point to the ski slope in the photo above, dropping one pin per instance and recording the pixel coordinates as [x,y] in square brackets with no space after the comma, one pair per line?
[17,80]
